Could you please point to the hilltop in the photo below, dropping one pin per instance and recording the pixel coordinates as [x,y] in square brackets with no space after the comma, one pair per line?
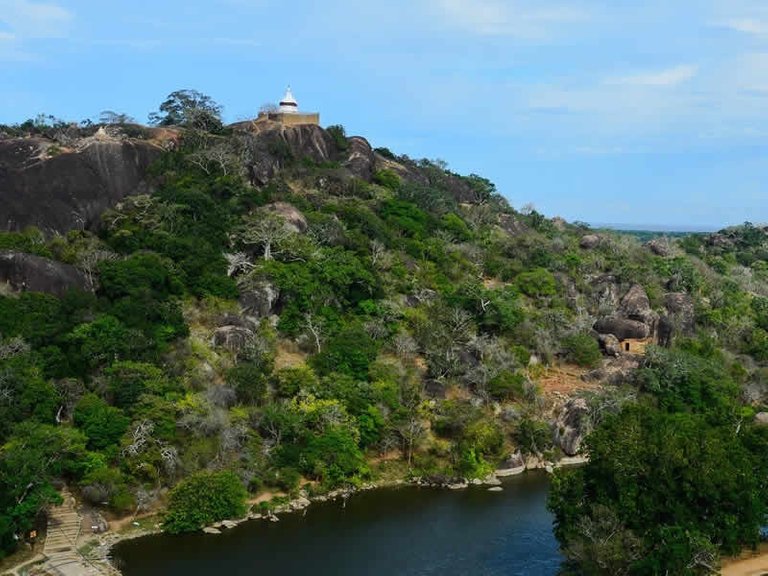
[250,308]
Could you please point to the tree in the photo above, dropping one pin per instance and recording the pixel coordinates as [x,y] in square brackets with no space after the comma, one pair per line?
[110,117]
[188,108]
[103,424]
[267,231]
[203,498]
[29,461]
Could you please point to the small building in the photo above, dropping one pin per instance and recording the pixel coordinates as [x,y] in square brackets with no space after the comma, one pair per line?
[288,113]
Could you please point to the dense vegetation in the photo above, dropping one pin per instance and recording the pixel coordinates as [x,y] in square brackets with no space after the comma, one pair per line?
[323,330]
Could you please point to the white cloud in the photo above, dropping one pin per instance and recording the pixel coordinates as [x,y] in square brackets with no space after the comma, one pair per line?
[753,26]
[524,20]
[668,77]
[28,19]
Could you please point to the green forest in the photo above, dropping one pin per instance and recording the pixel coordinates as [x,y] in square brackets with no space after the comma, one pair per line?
[324,330]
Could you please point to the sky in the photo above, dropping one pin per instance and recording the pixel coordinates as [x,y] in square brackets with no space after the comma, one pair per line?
[602,111]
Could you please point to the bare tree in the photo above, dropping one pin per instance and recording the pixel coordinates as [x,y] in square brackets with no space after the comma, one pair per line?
[238,263]
[265,230]
[89,260]
[315,328]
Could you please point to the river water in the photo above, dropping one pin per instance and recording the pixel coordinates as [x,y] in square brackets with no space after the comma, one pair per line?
[400,531]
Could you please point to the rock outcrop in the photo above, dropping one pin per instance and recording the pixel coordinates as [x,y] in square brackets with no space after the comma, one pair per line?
[63,189]
[234,333]
[572,425]
[272,146]
[590,241]
[25,272]
[623,328]
[680,310]
[260,299]
[634,319]
[360,158]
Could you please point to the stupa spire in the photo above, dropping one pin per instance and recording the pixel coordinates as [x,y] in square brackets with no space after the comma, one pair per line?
[288,104]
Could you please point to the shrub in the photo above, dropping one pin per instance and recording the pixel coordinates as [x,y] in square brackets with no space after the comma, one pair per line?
[387,178]
[583,350]
[339,136]
[538,282]
[101,423]
[203,498]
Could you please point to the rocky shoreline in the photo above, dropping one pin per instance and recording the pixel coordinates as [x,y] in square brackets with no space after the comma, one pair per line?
[101,554]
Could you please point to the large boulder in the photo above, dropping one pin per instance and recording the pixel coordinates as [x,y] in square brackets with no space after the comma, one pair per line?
[615,371]
[292,216]
[260,299]
[58,189]
[659,246]
[590,241]
[680,309]
[609,344]
[360,159]
[635,305]
[623,328]
[270,147]
[573,424]
[234,333]
[25,272]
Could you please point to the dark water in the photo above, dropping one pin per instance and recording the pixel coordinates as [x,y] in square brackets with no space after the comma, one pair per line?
[405,531]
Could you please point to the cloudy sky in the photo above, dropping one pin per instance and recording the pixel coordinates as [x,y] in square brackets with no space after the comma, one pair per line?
[620,111]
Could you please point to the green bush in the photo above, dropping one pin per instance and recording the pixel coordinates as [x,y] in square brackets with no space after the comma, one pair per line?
[387,178]
[203,498]
[536,283]
[339,136]
[103,424]
[583,350]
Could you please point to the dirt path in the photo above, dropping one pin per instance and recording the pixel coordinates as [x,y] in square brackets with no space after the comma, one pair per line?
[753,566]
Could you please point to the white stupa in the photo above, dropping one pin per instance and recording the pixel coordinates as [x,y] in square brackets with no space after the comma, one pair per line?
[288,113]
[288,104]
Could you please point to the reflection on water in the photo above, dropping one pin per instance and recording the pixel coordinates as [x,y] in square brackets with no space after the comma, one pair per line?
[406,531]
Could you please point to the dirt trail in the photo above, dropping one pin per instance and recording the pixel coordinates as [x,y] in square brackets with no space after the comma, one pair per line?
[753,566]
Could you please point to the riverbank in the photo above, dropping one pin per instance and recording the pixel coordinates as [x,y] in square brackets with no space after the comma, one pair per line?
[409,530]
[96,549]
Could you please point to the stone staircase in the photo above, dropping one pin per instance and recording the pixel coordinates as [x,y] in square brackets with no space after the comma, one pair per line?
[60,546]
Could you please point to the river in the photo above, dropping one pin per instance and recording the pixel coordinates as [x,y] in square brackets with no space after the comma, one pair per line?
[400,531]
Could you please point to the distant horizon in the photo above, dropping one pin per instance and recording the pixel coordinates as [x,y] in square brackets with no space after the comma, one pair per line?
[682,228]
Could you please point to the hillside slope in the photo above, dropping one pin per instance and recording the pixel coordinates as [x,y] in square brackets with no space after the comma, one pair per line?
[294,307]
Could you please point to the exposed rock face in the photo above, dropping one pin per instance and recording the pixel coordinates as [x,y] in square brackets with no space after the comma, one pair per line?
[623,328]
[590,241]
[572,426]
[234,333]
[681,311]
[610,344]
[274,146]
[512,225]
[69,190]
[605,292]
[360,160]
[260,300]
[636,306]
[659,246]
[35,274]
[615,371]
[294,219]
[762,418]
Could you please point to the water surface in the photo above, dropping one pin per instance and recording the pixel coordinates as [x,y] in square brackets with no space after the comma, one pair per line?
[405,531]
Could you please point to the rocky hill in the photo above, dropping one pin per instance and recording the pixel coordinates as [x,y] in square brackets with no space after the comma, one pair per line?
[305,312]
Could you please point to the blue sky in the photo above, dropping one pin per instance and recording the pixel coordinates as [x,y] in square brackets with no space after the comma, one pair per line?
[596,110]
